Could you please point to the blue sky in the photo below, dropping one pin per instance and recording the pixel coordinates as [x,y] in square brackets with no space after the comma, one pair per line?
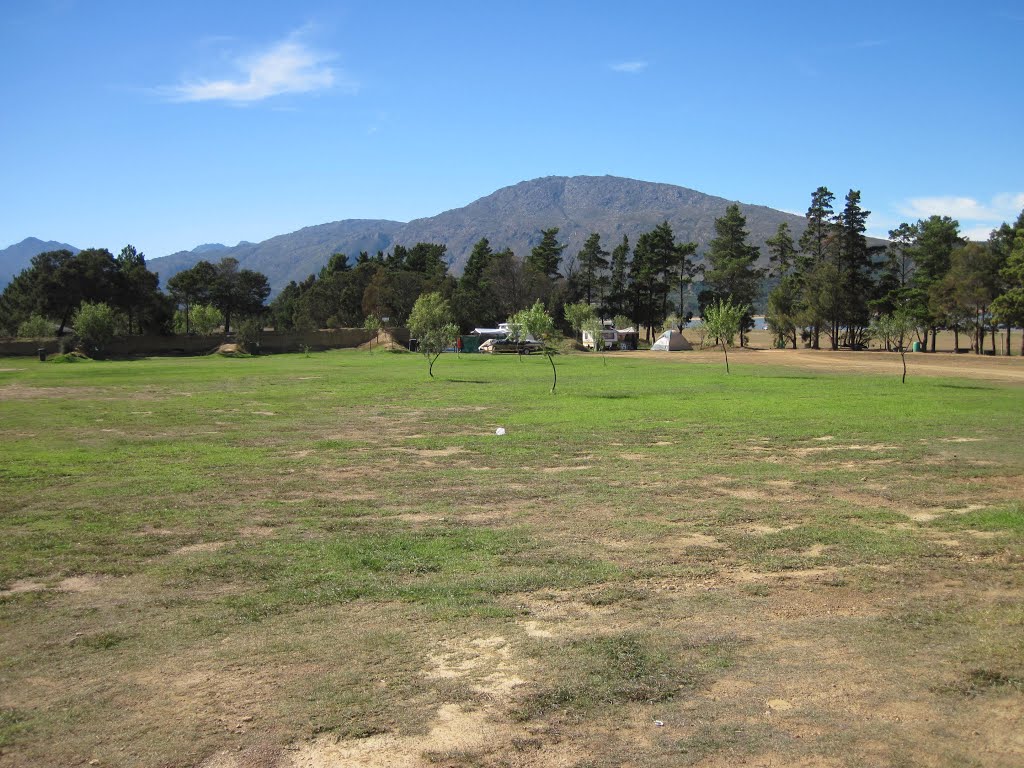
[167,125]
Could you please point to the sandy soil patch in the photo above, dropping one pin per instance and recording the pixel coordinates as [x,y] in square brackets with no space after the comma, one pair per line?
[87,583]
[432,453]
[23,585]
[206,546]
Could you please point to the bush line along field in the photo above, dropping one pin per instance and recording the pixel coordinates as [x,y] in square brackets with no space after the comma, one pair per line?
[307,560]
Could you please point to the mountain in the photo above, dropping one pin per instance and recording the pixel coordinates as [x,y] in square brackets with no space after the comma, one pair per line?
[17,257]
[294,256]
[514,216]
[511,217]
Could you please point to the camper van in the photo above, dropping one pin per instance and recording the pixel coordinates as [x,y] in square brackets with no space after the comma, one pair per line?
[609,336]
[495,340]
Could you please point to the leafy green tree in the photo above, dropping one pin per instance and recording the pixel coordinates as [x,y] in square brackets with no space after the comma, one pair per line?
[785,313]
[431,322]
[895,329]
[731,274]
[372,324]
[238,292]
[393,294]
[137,288]
[206,319]
[35,327]
[546,255]
[936,239]
[723,320]
[192,286]
[94,324]
[577,315]
[536,322]
[595,328]
[973,280]
[821,298]
[1008,307]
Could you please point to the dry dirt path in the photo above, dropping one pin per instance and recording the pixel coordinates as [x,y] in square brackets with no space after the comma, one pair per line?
[1007,369]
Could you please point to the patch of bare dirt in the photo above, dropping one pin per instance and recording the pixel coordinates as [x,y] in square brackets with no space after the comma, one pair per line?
[451,450]
[87,583]
[25,392]
[23,585]
[206,546]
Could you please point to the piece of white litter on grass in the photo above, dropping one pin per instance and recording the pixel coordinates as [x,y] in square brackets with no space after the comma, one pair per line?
[499,431]
[659,723]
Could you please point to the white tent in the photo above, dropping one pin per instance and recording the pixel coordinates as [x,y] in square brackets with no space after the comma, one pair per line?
[671,341]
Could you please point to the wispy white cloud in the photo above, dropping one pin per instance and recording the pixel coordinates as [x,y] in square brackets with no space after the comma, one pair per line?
[869,43]
[630,67]
[289,66]
[977,234]
[1000,208]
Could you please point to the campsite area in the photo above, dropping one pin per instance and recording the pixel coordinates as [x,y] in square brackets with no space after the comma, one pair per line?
[331,559]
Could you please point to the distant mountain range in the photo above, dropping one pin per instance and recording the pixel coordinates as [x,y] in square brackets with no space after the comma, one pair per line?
[511,217]
[17,257]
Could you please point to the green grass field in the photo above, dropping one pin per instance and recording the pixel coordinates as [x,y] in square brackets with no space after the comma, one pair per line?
[307,560]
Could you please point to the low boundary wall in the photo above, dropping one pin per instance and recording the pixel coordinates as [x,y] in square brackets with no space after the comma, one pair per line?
[270,342]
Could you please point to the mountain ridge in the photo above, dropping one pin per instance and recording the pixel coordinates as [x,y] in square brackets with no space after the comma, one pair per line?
[17,257]
[510,217]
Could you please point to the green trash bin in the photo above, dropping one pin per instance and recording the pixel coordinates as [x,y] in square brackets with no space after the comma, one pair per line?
[917,347]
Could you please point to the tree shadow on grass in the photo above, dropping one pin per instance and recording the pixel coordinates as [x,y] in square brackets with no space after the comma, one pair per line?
[965,386]
[469,381]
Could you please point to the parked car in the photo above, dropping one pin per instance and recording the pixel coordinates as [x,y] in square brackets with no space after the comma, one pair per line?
[500,346]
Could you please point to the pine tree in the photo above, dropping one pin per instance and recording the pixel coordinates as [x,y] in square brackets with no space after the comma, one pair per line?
[855,269]
[732,275]
[813,246]
[593,261]
[545,256]
[619,288]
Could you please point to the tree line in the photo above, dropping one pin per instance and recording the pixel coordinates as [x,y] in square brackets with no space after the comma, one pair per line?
[829,287]
[929,277]
[51,294]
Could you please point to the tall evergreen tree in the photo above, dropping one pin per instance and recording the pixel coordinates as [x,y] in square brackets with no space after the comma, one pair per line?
[782,252]
[593,261]
[618,288]
[855,268]
[813,249]
[545,256]
[655,258]
[937,238]
[819,227]
[731,274]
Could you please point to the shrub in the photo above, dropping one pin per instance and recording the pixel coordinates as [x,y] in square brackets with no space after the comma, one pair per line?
[202,319]
[94,325]
[36,327]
